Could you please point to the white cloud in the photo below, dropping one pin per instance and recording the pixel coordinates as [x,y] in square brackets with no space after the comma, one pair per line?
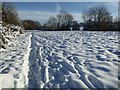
[58,7]
[77,17]
[114,7]
[44,16]
[115,14]
[35,15]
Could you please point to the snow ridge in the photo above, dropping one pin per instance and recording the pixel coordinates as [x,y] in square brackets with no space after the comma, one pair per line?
[34,70]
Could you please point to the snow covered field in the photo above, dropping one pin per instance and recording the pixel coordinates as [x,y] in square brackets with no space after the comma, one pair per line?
[63,59]
[14,62]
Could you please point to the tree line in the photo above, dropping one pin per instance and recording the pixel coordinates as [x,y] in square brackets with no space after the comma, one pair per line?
[95,18]
[62,21]
[31,25]
[10,16]
[99,18]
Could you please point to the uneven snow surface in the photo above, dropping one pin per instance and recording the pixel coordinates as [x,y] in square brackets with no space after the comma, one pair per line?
[14,63]
[64,59]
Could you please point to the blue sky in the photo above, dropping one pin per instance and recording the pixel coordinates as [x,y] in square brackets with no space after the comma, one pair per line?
[41,11]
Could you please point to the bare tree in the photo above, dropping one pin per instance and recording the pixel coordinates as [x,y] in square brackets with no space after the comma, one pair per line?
[9,13]
[61,21]
[52,23]
[85,16]
[31,25]
[0,11]
[64,18]
[99,16]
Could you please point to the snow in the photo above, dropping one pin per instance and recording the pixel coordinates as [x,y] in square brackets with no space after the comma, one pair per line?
[62,59]
[14,62]
[6,81]
[67,59]
[7,33]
